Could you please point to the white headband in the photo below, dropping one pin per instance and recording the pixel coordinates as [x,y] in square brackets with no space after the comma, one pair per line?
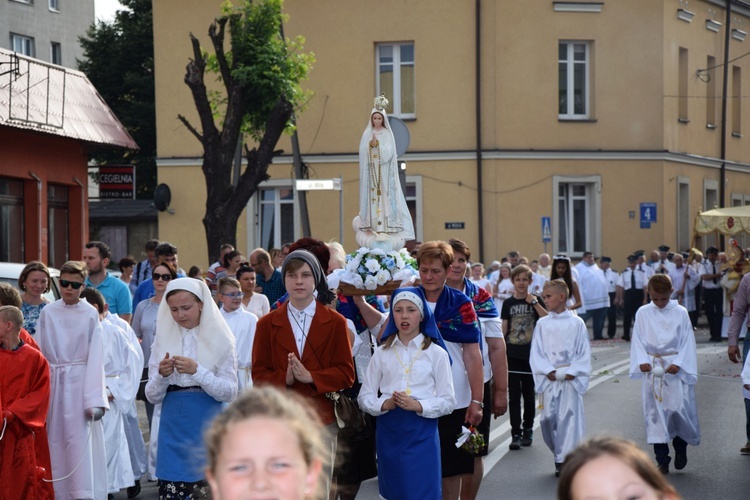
[413,298]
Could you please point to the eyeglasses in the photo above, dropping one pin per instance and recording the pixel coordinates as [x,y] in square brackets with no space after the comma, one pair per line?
[163,277]
[234,295]
[75,284]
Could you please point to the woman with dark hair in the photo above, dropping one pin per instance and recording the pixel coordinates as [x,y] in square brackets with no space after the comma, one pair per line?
[34,282]
[255,302]
[232,262]
[561,270]
[126,265]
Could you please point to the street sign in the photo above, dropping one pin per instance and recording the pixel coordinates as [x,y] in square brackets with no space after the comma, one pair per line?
[454,225]
[319,185]
[546,230]
[117,182]
[648,215]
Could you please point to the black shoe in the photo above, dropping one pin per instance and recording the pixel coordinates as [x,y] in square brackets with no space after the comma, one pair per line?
[664,468]
[680,460]
[528,437]
[135,490]
[626,339]
[558,468]
[515,442]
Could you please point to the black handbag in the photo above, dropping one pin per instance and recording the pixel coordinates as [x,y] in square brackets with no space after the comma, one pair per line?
[349,418]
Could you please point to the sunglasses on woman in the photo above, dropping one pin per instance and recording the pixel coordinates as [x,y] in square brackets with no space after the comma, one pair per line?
[163,277]
[75,284]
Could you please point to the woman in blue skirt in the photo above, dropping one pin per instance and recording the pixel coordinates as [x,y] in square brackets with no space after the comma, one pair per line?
[192,371]
[411,371]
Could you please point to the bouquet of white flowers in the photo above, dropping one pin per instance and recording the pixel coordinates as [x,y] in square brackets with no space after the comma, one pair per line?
[368,269]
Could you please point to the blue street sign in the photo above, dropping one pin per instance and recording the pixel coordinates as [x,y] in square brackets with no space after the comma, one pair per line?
[648,215]
[546,230]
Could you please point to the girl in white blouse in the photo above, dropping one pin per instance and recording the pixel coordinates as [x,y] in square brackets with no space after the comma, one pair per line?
[412,372]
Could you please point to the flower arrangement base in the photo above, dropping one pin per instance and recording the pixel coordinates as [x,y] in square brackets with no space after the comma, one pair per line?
[387,289]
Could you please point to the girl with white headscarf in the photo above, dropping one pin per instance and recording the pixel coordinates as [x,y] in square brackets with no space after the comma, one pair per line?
[192,371]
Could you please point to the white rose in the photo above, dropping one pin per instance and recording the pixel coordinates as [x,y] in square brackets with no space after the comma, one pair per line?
[353,265]
[357,282]
[382,277]
[372,265]
[362,250]
[371,283]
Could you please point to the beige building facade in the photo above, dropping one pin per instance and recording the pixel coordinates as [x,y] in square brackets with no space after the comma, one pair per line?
[594,115]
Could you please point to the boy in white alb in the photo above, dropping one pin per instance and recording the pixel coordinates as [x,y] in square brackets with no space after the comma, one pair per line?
[242,323]
[561,363]
[663,354]
[122,372]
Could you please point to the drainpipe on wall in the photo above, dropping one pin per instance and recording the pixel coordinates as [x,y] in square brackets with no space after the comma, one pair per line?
[725,83]
[39,215]
[84,212]
[478,76]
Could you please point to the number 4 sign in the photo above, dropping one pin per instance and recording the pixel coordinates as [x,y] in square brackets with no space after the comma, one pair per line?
[648,215]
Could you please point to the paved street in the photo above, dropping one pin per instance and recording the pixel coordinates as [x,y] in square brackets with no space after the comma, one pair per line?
[613,406]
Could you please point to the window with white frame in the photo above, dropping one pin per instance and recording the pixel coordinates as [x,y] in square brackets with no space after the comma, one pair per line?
[395,77]
[574,71]
[55,53]
[22,44]
[54,5]
[577,215]
[275,216]
[413,198]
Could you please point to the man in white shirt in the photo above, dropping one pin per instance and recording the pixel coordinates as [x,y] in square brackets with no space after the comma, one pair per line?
[544,265]
[594,292]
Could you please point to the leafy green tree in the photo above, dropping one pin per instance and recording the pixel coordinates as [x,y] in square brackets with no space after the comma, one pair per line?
[260,75]
[119,61]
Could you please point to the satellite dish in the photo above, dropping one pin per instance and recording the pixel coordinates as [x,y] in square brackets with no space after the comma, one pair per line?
[162,197]
[400,134]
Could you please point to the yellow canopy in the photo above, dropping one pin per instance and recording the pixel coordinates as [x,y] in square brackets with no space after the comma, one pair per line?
[731,221]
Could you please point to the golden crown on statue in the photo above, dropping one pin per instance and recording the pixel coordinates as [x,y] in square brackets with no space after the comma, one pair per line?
[381,102]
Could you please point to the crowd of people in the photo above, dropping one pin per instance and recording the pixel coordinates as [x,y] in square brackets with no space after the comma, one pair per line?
[427,364]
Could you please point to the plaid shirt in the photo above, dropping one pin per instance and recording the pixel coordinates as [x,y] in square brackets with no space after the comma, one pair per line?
[274,288]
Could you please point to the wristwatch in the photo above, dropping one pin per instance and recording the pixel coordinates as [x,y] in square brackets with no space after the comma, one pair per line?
[481,405]
[534,302]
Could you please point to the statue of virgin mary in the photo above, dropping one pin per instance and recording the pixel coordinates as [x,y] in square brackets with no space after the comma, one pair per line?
[384,220]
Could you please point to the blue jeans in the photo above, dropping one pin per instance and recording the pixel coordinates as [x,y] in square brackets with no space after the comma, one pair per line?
[599,316]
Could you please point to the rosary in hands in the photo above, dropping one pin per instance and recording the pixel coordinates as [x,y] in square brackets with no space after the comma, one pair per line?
[181,364]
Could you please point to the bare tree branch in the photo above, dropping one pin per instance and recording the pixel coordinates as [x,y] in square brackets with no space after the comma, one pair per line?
[190,128]
[217,38]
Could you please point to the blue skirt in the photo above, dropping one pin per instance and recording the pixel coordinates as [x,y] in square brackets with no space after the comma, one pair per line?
[181,455]
[408,456]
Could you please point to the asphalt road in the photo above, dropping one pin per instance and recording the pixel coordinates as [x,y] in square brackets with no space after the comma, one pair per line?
[613,407]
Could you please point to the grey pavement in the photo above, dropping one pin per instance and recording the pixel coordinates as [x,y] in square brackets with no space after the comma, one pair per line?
[613,407]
